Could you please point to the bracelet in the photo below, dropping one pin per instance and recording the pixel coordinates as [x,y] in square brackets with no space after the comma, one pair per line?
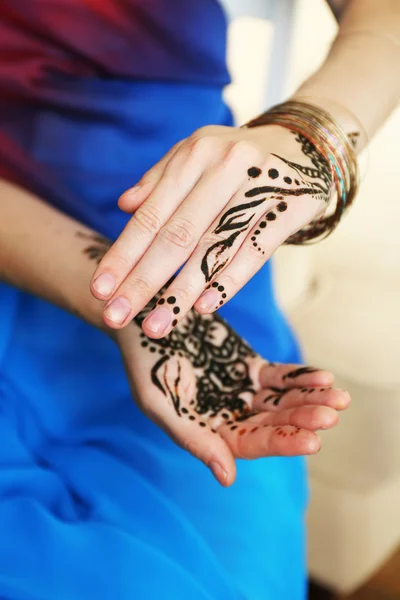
[332,146]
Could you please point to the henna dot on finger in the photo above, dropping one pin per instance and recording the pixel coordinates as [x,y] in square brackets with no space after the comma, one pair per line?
[242,431]
[184,410]
[176,310]
[254,429]
[271,216]
[254,172]
[171,300]
[161,301]
[287,180]
[174,322]
[202,424]
[192,418]
[282,206]
[233,427]
[273,173]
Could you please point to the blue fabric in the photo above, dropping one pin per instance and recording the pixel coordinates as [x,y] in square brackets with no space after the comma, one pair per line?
[95,501]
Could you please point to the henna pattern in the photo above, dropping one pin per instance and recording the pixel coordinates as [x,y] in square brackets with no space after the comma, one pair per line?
[298,372]
[238,219]
[216,353]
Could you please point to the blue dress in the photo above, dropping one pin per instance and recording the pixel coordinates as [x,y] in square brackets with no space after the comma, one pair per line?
[96,503]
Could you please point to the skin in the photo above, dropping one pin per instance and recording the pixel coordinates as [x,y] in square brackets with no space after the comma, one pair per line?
[180,205]
[256,409]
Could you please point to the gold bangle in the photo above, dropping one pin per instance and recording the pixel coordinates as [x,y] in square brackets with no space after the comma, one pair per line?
[329,140]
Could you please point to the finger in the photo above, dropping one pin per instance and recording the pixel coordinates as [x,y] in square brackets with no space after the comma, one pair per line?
[177,239]
[258,439]
[275,224]
[132,198]
[278,398]
[184,425]
[278,375]
[181,173]
[222,239]
[306,417]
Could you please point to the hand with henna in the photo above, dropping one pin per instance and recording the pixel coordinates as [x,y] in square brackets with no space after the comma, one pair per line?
[220,401]
[219,203]
[214,396]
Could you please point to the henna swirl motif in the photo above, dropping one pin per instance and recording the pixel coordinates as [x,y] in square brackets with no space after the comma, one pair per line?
[304,180]
[218,357]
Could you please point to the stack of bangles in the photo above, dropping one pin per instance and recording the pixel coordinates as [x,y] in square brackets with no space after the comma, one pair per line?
[335,148]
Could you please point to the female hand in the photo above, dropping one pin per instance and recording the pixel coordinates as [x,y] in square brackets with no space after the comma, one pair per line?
[219,203]
[217,399]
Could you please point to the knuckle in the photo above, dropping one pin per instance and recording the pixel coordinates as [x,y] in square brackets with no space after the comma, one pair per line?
[179,233]
[148,219]
[230,282]
[242,150]
[204,145]
[140,286]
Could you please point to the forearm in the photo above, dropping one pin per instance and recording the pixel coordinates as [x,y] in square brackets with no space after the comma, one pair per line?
[362,70]
[45,253]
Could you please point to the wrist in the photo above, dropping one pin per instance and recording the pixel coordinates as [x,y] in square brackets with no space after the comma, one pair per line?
[340,113]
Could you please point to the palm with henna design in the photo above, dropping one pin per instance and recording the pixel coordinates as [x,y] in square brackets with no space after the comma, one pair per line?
[219,400]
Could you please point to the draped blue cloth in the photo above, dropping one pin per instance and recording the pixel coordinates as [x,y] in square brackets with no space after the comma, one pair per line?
[96,503]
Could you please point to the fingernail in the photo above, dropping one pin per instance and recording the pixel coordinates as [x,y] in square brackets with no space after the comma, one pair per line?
[208,300]
[118,310]
[104,284]
[218,472]
[158,320]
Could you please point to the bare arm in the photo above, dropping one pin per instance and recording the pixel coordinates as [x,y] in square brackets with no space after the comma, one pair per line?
[362,70]
[42,252]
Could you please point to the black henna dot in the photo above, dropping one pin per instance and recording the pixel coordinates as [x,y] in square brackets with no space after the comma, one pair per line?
[271,216]
[253,239]
[213,430]
[234,427]
[225,415]
[221,288]
[255,245]
[145,344]
[224,295]
[185,411]
[287,180]
[215,284]
[202,424]
[192,418]
[174,322]
[171,300]
[263,224]
[229,422]
[254,172]
[221,302]
[153,349]
[257,232]
[162,351]
[273,173]
[282,206]
[161,301]
[176,310]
